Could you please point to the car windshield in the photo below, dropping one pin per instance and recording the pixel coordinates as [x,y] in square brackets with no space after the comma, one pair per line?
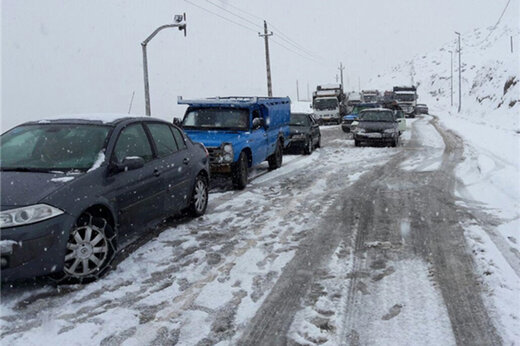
[217,118]
[52,147]
[325,103]
[299,120]
[376,116]
[358,109]
[405,97]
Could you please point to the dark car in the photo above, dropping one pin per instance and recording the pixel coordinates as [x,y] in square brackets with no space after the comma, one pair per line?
[74,188]
[347,120]
[304,134]
[377,126]
[421,108]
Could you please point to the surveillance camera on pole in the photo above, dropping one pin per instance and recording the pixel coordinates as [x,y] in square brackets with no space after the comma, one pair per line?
[179,21]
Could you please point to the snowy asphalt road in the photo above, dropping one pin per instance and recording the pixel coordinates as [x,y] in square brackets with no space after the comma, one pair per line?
[359,246]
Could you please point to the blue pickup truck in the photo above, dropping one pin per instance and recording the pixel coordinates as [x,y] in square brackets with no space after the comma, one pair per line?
[239,132]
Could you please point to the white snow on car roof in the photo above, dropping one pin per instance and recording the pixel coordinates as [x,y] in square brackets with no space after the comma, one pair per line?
[102,117]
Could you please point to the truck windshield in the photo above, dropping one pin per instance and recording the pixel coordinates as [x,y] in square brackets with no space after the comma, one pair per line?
[329,103]
[52,147]
[220,118]
[405,97]
[376,116]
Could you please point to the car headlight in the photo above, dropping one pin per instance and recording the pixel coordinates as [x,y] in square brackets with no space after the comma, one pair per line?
[358,130]
[27,215]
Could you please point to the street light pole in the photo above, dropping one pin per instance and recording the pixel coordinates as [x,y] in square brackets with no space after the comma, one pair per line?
[451,77]
[460,89]
[180,22]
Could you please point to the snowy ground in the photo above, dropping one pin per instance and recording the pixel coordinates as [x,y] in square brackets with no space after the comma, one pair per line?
[345,246]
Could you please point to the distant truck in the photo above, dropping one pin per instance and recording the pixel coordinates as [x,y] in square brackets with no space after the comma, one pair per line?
[388,96]
[239,132]
[369,96]
[329,103]
[353,98]
[406,97]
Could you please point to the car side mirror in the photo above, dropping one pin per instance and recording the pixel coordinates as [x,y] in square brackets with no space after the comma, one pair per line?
[258,123]
[177,122]
[128,164]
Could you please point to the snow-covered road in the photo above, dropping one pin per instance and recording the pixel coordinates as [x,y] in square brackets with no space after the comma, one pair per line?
[345,246]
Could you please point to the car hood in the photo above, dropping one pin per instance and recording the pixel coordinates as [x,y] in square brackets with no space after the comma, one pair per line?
[375,125]
[213,138]
[27,188]
[298,129]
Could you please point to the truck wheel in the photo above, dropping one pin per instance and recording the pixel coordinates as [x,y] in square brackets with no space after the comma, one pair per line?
[240,172]
[307,150]
[275,160]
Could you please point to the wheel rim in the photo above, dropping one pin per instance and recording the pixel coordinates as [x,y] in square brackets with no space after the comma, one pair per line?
[201,195]
[87,250]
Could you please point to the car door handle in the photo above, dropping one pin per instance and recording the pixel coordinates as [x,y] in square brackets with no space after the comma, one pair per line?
[156,172]
[186,160]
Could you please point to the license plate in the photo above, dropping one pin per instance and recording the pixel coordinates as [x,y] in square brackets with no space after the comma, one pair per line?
[374,135]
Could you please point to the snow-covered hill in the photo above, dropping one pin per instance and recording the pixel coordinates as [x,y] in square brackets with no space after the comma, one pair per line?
[490,76]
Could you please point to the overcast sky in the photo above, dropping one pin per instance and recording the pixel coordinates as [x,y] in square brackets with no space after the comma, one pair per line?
[81,56]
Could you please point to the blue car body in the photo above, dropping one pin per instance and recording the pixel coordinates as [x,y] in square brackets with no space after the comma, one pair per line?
[258,143]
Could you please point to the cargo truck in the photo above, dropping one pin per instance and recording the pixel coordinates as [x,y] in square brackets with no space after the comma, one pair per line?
[329,103]
[239,132]
[406,97]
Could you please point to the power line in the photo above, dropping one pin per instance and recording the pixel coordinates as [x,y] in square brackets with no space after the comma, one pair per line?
[311,58]
[281,35]
[234,14]
[218,15]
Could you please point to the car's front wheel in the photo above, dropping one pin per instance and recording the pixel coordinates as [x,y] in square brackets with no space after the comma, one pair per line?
[90,249]
[199,196]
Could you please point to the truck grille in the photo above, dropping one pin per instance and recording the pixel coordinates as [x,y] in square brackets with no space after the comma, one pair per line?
[214,153]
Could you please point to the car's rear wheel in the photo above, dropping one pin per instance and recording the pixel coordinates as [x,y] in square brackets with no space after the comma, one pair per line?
[199,196]
[240,172]
[90,249]
[275,160]
[307,150]
[356,143]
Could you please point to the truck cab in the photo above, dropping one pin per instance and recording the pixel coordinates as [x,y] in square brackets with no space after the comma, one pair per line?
[326,109]
[239,132]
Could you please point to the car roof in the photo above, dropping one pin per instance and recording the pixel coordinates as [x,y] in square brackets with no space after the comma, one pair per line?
[93,118]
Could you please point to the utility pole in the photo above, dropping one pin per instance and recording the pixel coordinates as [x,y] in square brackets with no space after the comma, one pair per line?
[266,35]
[297,91]
[460,90]
[359,83]
[341,68]
[511,44]
[451,76]
[180,22]
[308,94]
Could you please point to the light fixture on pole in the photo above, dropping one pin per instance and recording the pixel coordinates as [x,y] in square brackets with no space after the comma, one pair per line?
[460,88]
[179,21]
